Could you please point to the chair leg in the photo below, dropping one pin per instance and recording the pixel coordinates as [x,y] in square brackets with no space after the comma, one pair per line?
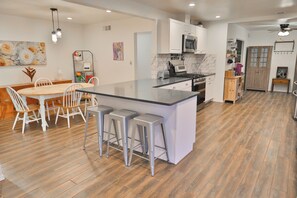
[57,116]
[82,115]
[15,120]
[132,143]
[85,107]
[54,107]
[35,116]
[24,122]
[47,111]
[86,131]
[68,120]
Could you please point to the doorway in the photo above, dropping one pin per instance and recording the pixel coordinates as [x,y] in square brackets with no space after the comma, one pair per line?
[143,54]
[258,67]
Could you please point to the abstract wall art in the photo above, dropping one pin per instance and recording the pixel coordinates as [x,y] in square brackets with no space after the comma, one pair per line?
[19,53]
[118,51]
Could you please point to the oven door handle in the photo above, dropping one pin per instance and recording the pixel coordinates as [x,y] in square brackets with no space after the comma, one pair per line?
[200,83]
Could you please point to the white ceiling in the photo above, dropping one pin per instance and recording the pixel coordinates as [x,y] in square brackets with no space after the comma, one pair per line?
[252,14]
[41,9]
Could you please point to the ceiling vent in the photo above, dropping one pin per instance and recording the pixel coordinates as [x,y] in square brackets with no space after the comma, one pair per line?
[107,28]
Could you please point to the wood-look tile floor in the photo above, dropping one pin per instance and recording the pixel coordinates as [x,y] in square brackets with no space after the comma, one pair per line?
[242,150]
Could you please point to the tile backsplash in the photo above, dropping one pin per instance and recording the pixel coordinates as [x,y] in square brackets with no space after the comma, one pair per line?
[194,63]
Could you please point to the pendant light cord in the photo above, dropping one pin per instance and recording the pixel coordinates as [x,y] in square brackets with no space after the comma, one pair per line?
[53,20]
[58,18]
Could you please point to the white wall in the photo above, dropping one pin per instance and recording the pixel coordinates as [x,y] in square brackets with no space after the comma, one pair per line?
[217,44]
[265,38]
[100,43]
[240,33]
[58,55]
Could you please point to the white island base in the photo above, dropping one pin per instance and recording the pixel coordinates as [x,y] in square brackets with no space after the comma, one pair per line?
[180,123]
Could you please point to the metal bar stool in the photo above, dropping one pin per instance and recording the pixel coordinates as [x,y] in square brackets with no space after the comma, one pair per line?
[123,116]
[99,112]
[148,122]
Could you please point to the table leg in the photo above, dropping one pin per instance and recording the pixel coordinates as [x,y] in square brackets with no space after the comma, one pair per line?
[42,113]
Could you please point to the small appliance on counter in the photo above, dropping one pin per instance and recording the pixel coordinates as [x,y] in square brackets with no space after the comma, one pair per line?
[163,74]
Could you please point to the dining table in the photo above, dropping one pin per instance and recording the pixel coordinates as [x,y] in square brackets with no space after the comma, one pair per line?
[43,93]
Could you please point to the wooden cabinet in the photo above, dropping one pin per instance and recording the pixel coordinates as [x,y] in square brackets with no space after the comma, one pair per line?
[201,34]
[233,88]
[170,36]
[209,88]
[183,86]
[258,67]
[6,105]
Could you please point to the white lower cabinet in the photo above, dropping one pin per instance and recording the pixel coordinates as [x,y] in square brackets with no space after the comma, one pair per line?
[183,86]
[210,87]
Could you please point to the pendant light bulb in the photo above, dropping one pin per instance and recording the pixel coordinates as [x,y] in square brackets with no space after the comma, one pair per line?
[59,33]
[54,37]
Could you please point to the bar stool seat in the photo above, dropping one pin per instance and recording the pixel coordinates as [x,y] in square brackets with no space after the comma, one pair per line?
[122,116]
[148,122]
[99,112]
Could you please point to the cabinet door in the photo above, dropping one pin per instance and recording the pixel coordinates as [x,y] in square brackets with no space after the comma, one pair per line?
[176,31]
[202,40]
[209,93]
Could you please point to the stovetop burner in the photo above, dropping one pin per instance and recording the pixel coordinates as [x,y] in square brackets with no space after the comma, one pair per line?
[190,75]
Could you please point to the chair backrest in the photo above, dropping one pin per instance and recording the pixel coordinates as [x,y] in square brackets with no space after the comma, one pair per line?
[71,98]
[17,100]
[94,80]
[42,82]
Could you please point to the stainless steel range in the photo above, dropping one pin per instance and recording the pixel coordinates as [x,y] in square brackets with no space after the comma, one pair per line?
[198,82]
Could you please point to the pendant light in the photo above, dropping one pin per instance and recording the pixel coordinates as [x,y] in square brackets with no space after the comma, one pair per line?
[59,31]
[54,35]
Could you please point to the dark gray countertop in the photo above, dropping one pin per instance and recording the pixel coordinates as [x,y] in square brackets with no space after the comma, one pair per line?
[144,90]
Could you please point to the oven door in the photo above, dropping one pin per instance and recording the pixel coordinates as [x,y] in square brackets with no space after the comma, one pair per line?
[199,87]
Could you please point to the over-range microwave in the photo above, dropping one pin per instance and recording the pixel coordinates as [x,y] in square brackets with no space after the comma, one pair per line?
[189,43]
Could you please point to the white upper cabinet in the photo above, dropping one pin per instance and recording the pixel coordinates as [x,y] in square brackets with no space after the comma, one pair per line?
[201,34]
[170,36]
[189,29]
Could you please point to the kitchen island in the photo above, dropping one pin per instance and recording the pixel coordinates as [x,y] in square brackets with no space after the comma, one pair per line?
[144,96]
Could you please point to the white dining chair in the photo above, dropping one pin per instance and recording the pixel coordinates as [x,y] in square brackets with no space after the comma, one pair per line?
[45,82]
[71,102]
[88,97]
[22,108]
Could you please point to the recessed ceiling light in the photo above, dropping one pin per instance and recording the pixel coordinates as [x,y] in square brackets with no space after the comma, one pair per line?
[69,18]
[217,17]
[192,4]
[108,11]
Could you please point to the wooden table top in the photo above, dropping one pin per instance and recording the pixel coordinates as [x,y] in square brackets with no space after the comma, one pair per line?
[49,90]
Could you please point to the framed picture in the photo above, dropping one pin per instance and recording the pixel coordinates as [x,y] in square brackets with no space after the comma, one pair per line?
[118,51]
[282,72]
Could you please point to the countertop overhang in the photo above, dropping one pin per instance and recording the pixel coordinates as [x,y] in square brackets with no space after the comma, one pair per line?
[146,90]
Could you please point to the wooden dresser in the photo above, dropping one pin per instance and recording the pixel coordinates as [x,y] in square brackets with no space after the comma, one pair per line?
[233,88]
[6,105]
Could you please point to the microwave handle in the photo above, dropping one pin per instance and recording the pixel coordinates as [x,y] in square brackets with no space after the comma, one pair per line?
[195,44]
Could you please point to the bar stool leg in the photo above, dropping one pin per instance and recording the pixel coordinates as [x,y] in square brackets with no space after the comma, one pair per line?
[151,145]
[86,129]
[164,139]
[108,137]
[100,120]
[132,143]
[115,127]
[124,131]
